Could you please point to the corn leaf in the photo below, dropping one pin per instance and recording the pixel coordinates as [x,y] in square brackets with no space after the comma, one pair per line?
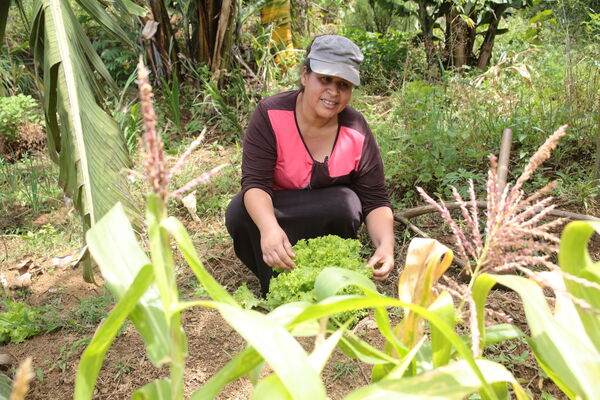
[182,238]
[353,347]
[337,304]
[574,258]
[481,288]
[283,353]
[452,382]
[5,387]
[573,365]
[440,345]
[93,356]
[500,333]
[426,261]
[83,139]
[113,246]
[272,387]
[157,390]
[239,366]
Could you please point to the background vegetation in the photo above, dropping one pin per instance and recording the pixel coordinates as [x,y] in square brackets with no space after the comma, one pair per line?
[441,80]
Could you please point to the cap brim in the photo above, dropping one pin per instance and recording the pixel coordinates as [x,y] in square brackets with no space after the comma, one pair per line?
[344,71]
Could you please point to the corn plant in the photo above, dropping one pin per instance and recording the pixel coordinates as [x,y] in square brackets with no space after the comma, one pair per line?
[565,342]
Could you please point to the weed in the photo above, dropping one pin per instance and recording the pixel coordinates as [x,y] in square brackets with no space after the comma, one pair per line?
[67,352]
[122,367]
[341,369]
[90,311]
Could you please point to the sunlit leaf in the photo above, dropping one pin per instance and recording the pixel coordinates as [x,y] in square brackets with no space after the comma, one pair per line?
[93,355]
[574,366]
[113,246]
[283,353]
[426,262]
[452,382]
[156,390]
[574,258]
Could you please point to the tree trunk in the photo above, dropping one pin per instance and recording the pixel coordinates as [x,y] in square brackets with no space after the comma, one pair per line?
[212,33]
[485,51]
[460,38]
[299,12]
[164,41]
[426,22]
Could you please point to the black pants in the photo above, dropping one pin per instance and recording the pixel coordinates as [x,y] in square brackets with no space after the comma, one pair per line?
[302,214]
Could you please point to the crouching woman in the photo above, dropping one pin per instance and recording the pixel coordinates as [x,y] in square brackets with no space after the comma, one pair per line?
[311,167]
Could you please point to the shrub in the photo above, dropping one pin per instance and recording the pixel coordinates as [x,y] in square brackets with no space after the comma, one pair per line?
[16,111]
[19,322]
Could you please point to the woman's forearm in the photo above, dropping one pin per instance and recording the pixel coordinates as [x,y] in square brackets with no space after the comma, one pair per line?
[260,207]
[380,225]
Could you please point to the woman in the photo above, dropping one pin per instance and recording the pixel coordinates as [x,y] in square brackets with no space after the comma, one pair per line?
[311,167]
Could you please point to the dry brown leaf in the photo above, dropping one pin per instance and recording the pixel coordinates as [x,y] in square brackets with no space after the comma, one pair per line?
[189,202]
[62,262]
[7,360]
[23,266]
[21,281]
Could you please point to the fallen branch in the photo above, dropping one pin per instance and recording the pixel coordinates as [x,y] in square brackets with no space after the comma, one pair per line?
[422,210]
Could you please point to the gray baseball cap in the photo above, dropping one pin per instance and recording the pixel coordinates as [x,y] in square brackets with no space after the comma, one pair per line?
[336,56]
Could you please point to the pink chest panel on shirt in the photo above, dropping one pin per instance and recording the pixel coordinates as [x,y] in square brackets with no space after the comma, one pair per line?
[294,164]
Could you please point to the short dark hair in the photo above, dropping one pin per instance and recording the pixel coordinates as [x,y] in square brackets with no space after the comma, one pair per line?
[306,63]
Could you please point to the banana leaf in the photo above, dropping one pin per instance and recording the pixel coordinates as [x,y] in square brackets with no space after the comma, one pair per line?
[82,138]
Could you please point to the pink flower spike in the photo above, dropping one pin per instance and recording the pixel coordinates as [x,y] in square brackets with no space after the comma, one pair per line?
[204,178]
[180,163]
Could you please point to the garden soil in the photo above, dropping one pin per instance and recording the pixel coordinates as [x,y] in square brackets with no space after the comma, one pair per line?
[212,342]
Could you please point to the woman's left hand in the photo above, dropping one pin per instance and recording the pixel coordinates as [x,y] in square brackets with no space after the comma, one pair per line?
[382,263]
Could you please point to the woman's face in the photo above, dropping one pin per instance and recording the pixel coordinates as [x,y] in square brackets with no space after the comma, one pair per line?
[325,95]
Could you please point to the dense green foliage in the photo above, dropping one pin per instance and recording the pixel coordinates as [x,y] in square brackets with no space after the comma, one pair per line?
[312,257]
[19,322]
[15,112]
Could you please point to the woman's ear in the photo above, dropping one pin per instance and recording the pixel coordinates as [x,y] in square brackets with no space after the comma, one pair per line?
[304,76]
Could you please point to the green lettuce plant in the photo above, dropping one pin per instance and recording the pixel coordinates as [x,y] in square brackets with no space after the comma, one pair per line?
[312,256]
[19,322]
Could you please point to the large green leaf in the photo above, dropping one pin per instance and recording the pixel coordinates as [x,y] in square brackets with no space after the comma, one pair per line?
[454,381]
[574,258]
[570,362]
[101,16]
[93,356]
[273,388]
[440,345]
[83,139]
[113,246]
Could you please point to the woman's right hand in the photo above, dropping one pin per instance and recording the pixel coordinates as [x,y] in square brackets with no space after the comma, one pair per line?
[276,249]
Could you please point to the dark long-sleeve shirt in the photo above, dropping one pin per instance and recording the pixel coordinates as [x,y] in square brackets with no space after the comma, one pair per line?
[275,156]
